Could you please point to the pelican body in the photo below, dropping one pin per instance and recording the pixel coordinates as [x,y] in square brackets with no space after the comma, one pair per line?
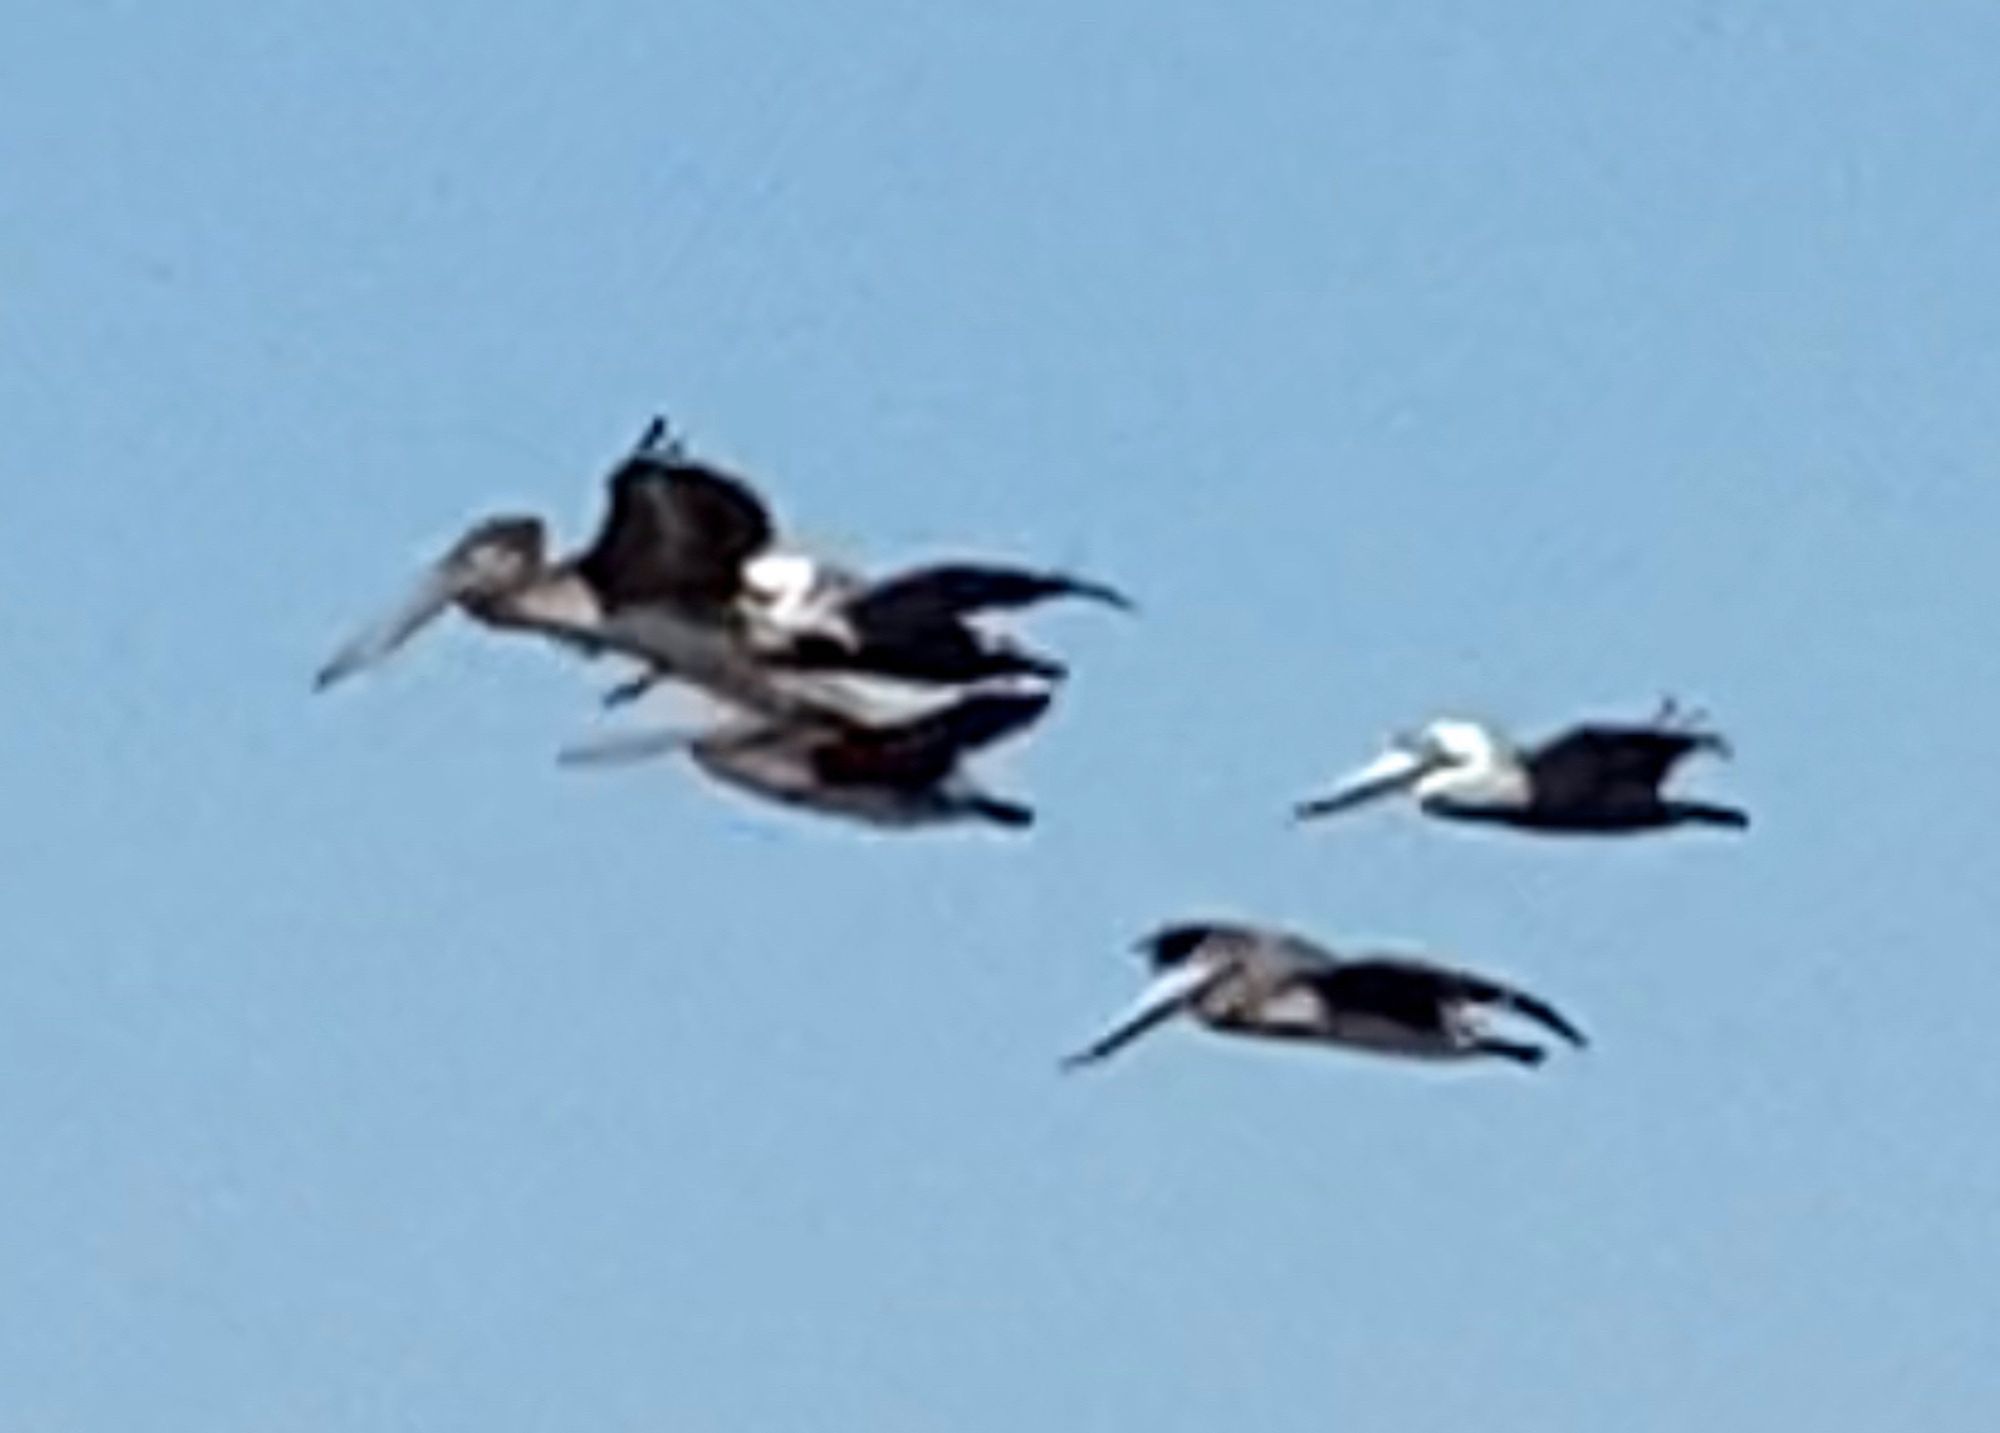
[1594,779]
[1250,980]
[905,774]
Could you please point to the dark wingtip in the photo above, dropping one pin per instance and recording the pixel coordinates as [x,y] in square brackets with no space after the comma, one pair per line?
[1703,813]
[1551,1019]
[1025,706]
[1672,715]
[1015,661]
[1527,1056]
[1010,814]
[1100,592]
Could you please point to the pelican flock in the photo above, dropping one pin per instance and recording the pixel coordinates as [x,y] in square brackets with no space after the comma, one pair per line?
[841,695]
[863,698]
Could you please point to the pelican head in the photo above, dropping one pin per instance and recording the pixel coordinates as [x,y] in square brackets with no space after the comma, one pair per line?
[1413,761]
[1454,741]
[1187,966]
[497,560]
[1175,945]
[793,594]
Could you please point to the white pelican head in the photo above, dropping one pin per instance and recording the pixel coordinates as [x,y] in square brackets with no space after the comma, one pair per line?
[1444,754]
[779,578]
[793,592]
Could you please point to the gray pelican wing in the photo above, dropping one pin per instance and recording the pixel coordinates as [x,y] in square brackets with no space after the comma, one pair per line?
[1590,762]
[677,530]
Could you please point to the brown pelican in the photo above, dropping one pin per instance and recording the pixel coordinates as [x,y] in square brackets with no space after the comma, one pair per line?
[658,583]
[1249,980]
[899,775]
[1592,779]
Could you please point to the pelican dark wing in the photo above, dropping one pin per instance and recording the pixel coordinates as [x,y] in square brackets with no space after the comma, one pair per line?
[1479,990]
[928,597]
[949,652]
[1589,764]
[925,751]
[1415,993]
[677,531]
[913,625]
[1404,992]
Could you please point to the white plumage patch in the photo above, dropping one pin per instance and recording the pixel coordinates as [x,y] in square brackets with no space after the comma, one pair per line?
[565,603]
[1298,1008]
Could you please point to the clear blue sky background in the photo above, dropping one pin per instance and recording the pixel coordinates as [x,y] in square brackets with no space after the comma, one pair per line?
[364,1071]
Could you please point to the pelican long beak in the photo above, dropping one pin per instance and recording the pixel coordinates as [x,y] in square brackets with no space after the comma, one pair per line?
[1394,770]
[380,638]
[1168,995]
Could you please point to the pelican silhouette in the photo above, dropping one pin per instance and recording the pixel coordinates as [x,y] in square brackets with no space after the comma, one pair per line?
[903,774]
[1251,980]
[1596,778]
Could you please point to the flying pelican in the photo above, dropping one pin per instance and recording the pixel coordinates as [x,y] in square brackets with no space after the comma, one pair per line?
[659,583]
[1251,980]
[899,775]
[1592,779]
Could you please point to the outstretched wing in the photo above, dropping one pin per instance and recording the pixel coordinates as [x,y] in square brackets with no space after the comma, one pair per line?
[677,530]
[1591,761]
[929,597]
[1410,984]
[923,752]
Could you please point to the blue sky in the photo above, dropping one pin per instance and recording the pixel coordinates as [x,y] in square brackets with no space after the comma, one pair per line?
[365,1071]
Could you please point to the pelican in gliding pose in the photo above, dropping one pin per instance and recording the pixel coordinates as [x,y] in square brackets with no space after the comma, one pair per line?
[1252,980]
[1594,779]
